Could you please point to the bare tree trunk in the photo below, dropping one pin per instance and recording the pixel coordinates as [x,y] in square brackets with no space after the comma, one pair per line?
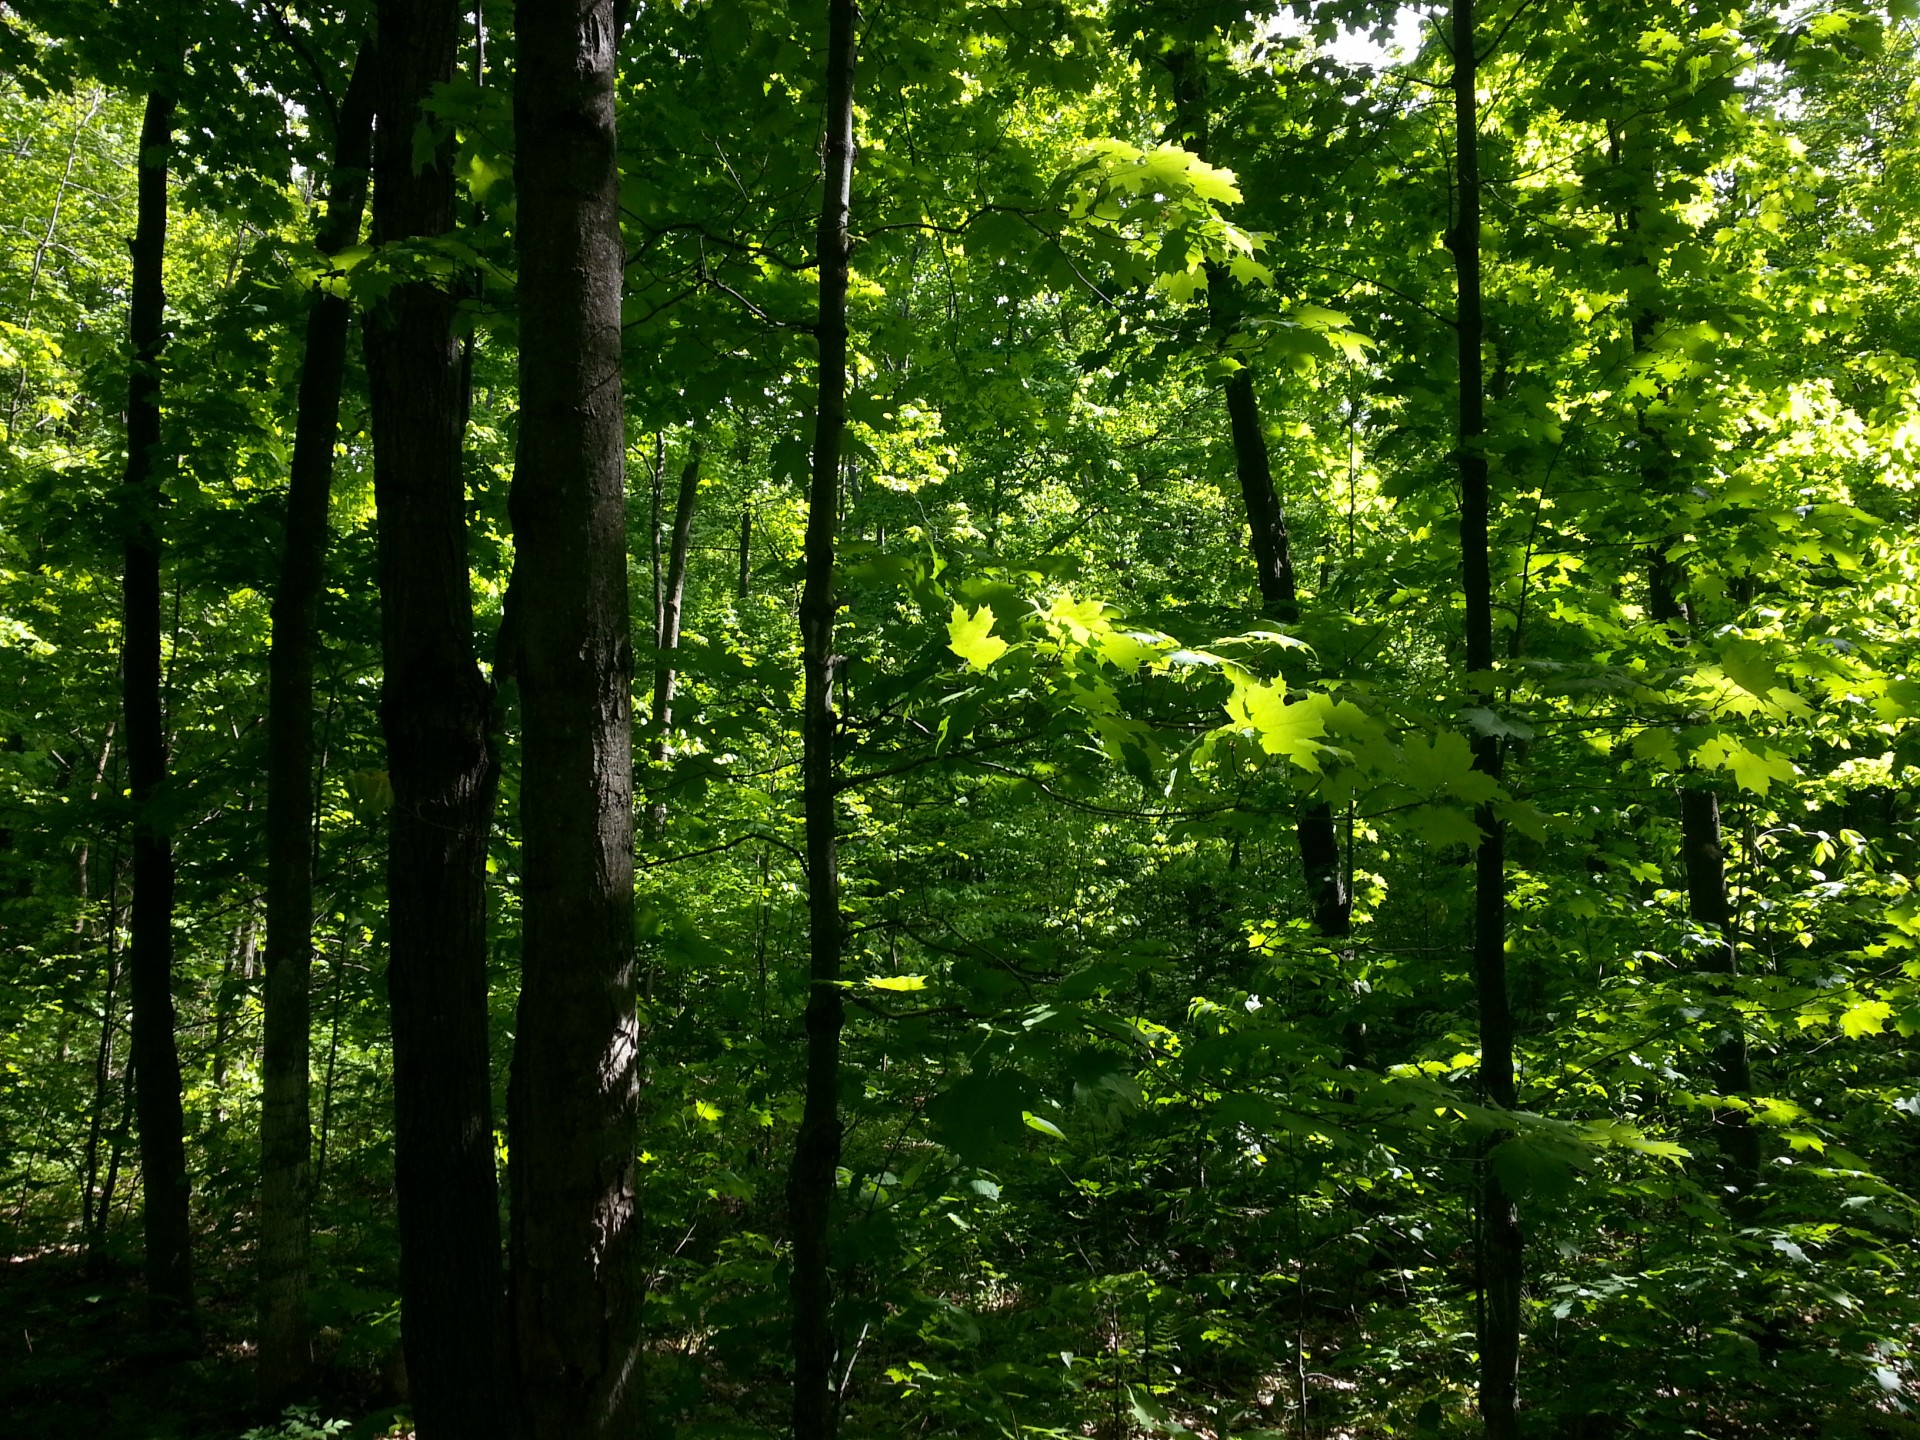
[163,1153]
[435,712]
[286,1101]
[574,1100]
[1500,1249]
[666,638]
[816,1157]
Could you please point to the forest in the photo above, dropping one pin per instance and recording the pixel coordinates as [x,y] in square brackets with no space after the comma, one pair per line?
[972,719]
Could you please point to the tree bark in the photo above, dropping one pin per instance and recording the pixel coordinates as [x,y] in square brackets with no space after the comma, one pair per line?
[816,1158]
[156,1060]
[666,638]
[1501,1256]
[286,1098]
[435,712]
[576,1086]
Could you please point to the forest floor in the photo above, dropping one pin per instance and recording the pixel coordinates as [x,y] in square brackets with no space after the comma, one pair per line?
[78,1361]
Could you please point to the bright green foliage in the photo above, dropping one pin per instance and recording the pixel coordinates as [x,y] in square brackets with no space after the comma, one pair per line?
[1131,1150]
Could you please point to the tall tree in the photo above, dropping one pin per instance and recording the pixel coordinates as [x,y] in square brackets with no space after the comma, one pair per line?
[1320,861]
[1500,1254]
[435,710]
[576,1084]
[286,1107]
[816,1157]
[155,1057]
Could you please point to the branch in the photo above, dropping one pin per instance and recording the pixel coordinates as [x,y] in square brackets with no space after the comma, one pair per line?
[737,840]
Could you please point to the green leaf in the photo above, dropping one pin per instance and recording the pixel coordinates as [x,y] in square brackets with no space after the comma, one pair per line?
[971,638]
[1444,766]
[1045,1127]
[1753,770]
[1865,1017]
[1282,728]
[897,982]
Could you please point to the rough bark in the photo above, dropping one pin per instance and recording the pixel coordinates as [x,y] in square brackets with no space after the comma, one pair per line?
[286,1104]
[435,709]
[575,1092]
[1500,1258]
[156,1061]
[810,1184]
[666,637]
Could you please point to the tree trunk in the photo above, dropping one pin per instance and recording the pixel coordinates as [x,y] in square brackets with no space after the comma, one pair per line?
[1500,1258]
[435,712]
[666,638]
[810,1184]
[744,585]
[1320,860]
[575,1095]
[286,1103]
[93,1224]
[156,1060]
[1701,854]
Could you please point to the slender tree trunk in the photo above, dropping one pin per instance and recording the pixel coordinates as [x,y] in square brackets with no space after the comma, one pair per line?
[334,1007]
[576,1083]
[116,1152]
[810,1184]
[286,1103]
[744,585]
[1703,858]
[1500,1257]
[1319,843]
[163,1154]
[666,638]
[435,712]
[1701,854]
[93,1228]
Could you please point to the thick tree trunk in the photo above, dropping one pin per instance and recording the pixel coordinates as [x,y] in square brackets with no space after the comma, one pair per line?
[435,711]
[1320,859]
[1500,1258]
[666,637]
[575,1093]
[156,1061]
[810,1185]
[286,1103]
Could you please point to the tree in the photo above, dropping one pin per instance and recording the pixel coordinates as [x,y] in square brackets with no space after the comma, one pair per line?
[155,1060]
[286,1106]
[435,711]
[576,1079]
[816,1153]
